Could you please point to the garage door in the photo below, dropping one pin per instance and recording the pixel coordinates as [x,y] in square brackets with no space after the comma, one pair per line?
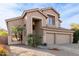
[62,39]
[49,39]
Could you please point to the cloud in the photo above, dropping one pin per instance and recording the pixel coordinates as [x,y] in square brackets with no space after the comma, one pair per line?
[67,22]
[70,10]
[69,14]
[7,11]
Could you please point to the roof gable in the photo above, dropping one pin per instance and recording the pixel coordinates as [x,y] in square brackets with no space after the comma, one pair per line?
[32,10]
[49,8]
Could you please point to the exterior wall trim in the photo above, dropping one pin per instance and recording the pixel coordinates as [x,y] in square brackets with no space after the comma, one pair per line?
[54,38]
[58,30]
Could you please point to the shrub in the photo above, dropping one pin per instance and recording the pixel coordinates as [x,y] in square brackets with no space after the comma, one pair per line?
[75,27]
[76,36]
[3,33]
[4,51]
[34,40]
[3,36]
[30,40]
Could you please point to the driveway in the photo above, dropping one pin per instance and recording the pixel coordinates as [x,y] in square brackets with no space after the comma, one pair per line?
[28,51]
[64,50]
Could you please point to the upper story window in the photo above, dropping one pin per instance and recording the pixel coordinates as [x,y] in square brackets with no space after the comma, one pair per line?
[51,20]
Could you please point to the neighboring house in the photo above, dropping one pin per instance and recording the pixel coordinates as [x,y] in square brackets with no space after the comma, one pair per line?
[42,21]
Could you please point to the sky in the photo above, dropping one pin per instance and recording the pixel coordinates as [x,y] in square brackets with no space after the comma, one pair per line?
[69,12]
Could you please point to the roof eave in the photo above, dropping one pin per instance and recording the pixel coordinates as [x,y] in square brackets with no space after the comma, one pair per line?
[15,18]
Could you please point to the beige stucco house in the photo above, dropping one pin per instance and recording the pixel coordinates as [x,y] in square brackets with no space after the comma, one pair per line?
[44,21]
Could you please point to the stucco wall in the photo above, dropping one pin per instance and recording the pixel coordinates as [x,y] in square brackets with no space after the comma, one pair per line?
[12,42]
[51,12]
[14,23]
[28,18]
[38,15]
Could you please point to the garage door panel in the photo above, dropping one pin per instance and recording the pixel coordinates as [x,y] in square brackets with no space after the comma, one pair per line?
[62,39]
[49,39]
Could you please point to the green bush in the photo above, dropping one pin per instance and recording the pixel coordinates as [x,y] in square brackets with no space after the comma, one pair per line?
[30,40]
[34,40]
[76,36]
[75,27]
[3,33]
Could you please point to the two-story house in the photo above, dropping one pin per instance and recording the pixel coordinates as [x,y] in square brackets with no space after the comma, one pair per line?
[44,21]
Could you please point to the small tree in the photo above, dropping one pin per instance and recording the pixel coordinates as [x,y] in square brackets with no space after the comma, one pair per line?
[15,31]
[75,27]
[34,40]
[18,31]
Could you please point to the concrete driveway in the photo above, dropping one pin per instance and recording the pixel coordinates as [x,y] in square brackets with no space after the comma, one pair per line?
[27,51]
[22,50]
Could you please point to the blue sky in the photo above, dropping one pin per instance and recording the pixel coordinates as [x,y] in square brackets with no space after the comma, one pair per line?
[69,13]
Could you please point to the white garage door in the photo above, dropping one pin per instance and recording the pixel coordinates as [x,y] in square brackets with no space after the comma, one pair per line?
[49,39]
[62,39]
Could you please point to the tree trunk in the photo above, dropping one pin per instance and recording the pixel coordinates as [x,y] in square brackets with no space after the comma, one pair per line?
[21,39]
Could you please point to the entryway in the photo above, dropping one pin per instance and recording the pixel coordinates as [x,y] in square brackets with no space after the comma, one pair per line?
[36,25]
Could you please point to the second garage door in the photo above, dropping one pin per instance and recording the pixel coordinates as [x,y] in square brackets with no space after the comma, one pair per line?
[62,39]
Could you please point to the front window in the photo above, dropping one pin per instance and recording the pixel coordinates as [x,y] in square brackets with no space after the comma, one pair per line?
[51,20]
